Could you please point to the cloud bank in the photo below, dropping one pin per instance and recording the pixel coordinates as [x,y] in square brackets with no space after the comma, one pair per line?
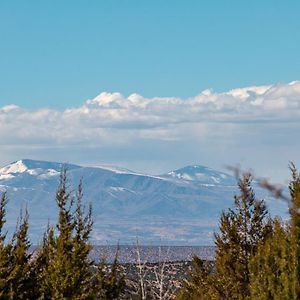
[265,117]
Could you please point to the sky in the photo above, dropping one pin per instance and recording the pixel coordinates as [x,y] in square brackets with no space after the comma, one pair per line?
[151,85]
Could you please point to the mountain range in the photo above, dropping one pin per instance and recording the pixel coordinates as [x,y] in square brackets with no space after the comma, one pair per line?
[180,207]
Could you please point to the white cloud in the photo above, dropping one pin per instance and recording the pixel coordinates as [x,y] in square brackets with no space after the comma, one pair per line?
[212,121]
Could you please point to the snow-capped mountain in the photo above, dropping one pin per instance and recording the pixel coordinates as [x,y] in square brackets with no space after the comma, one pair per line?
[202,175]
[179,207]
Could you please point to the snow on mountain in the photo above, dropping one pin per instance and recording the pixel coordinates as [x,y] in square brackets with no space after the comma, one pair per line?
[43,169]
[115,169]
[180,207]
[203,175]
[16,167]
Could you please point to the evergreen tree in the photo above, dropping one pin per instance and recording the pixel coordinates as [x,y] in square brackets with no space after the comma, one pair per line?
[82,274]
[19,280]
[199,284]
[271,268]
[58,275]
[60,268]
[109,284]
[295,229]
[3,203]
[5,251]
[41,264]
[241,230]
[68,274]
[276,266]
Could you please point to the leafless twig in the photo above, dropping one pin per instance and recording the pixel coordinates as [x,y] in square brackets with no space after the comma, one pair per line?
[141,267]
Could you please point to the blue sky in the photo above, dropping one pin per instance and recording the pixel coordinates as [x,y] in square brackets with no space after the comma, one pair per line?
[59,53]
[165,81]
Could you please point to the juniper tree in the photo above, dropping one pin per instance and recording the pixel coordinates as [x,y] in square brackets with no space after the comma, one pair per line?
[3,203]
[59,272]
[68,274]
[109,282]
[82,275]
[241,230]
[5,250]
[41,263]
[19,280]
[200,284]
[295,228]
[271,267]
[276,266]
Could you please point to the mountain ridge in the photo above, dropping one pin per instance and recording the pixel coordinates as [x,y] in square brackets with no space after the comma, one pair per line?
[180,207]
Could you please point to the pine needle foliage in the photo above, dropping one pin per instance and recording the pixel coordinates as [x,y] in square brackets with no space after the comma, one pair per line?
[19,279]
[199,284]
[41,263]
[110,284]
[4,250]
[61,267]
[3,203]
[271,268]
[276,266]
[241,230]
[68,274]
[295,229]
